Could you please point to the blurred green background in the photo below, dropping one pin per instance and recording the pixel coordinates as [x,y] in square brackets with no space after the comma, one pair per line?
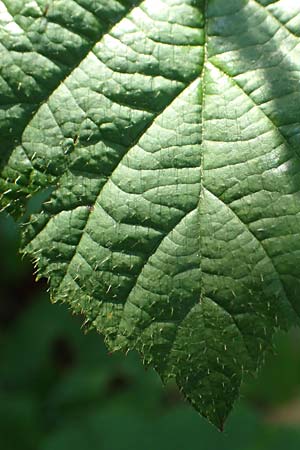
[61,390]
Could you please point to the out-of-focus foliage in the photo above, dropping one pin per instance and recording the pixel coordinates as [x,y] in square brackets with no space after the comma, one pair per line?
[59,390]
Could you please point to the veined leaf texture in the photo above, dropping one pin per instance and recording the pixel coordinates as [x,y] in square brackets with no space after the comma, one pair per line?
[166,136]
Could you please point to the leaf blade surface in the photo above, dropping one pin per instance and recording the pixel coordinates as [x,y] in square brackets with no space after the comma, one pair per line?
[172,147]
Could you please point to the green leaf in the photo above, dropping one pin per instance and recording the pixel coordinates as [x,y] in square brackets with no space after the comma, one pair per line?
[169,133]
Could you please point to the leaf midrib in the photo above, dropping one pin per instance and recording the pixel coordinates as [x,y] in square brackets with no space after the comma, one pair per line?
[202,188]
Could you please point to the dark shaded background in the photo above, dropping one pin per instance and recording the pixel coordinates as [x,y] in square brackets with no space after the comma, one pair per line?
[61,390]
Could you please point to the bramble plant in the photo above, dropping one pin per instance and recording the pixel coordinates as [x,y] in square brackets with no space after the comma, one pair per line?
[162,140]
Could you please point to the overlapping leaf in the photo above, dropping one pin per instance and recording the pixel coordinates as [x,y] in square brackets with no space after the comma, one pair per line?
[168,132]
